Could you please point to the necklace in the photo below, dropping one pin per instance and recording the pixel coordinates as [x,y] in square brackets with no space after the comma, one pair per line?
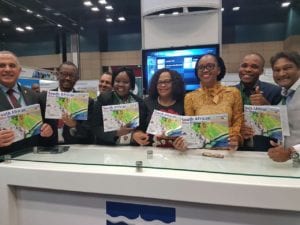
[165,104]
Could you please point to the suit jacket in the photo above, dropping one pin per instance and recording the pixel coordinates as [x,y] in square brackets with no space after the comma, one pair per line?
[82,133]
[30,98]
[107,98]
[293,109]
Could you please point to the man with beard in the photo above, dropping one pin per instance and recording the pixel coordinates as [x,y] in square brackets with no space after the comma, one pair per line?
[255,92]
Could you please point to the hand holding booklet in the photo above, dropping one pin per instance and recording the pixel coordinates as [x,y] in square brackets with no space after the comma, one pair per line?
[25,122]
[264,120]
[208,131]
[116,116]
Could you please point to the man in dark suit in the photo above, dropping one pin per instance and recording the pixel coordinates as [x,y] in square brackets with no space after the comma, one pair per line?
[68,130]
[10,70]
[255,92]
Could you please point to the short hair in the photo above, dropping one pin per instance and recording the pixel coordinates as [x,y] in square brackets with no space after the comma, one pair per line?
[107,73]
[291,56]
[129,73]
[259,56]
[69,63]
[178,89]
[5,52]
[220,63]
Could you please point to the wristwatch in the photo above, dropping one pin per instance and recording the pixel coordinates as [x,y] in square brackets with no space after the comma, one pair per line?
[295,155]
[295,152]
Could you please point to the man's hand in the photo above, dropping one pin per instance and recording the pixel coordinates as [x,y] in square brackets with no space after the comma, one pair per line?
[278,154]
[246,131]
[46,130]
[123,131]
[257,98]
[6,137]
[68,120]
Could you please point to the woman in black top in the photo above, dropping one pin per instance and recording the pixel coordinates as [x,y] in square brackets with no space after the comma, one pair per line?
[166,93]
[123,82]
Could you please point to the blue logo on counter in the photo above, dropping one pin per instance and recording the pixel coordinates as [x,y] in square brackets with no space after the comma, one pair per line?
[137,212]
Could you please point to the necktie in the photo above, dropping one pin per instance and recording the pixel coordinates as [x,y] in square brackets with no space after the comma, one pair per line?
[13,98]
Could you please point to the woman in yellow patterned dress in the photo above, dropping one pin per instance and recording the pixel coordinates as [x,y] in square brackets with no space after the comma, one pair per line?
[214,98]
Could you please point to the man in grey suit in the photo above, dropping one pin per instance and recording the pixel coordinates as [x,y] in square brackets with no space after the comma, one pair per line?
[13,95]
[286,73]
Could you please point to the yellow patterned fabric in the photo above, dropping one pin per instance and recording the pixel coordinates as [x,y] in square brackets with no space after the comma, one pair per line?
[216,100]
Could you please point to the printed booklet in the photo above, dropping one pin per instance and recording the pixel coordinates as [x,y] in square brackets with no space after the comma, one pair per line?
[73,103]
[206,131]
[264,120]
[165,124]
[115,116]
[25,121]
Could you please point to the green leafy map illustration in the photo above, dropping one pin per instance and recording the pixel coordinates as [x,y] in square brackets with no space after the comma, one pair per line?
[72,106]
[27,121]
[169,123]
[125,116]
[268,121]
[210,130]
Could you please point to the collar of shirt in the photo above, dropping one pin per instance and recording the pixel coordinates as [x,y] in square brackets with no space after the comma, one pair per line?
[59,90]
[15,88]
[295,85]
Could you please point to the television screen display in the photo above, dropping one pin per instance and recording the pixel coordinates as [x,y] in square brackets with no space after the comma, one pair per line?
[181,59]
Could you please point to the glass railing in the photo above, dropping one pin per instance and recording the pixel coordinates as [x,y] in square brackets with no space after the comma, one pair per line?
[200,160]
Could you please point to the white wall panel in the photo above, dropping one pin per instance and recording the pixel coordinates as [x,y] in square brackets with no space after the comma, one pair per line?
[183,30]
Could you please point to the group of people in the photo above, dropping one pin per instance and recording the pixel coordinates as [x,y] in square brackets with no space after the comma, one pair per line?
[166,93]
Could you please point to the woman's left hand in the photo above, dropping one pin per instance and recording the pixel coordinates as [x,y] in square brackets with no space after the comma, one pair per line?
[233,142]
[179,144]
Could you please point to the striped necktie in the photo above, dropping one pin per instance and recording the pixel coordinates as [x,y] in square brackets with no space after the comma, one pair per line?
[13,99]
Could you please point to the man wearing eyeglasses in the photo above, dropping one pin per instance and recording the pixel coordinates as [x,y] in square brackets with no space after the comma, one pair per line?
[13,95]
[255,92]
[68,130]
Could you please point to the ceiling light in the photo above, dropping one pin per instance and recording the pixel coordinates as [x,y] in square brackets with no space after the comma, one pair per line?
[6,19]
[175,13]
[121,18]
[38,15]
[109,7]
[222,9]
[95,9]
[56,13]
[109,20]
[59,25]
[28,28]
[47,8]
[29,11]
[102,2]
[87,3]
[285,4]
[20,29]
[236,8]
[162,14]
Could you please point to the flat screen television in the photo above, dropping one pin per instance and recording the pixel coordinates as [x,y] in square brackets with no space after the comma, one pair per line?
[181,59]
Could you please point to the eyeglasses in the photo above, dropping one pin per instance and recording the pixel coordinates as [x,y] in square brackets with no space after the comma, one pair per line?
[164,82]
[208,67]
[65,75]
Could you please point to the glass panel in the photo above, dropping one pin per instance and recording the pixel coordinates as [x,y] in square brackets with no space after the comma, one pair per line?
[240,163]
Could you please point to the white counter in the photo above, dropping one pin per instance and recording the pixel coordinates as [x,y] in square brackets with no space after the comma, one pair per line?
[108,173]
